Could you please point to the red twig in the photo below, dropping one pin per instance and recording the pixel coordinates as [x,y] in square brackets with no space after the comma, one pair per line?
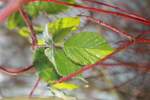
[128,16]
[122,84]
[111,6]
[141,68]
[16,71]
[87,67]
[10,8]
[100,22]
[30,26]
[34,87]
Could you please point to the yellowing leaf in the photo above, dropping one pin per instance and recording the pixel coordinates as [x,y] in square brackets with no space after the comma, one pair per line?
[67,86]
[62,27]
[24,32]
[41,42]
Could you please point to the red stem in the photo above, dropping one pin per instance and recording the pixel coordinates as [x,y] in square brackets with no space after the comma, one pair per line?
[16,71]
[30,26]
[100,22]
[111,6]
[34,87]
[128,16]
[87,67]
[10,8]
[14,7]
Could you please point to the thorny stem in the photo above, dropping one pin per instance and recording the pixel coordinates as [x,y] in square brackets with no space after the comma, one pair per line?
[30,26]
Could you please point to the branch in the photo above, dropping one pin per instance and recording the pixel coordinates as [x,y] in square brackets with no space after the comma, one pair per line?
[30,26]
[93,9]
[16,71]
[114,7]
[87,67]
[34,87]
[100,22]
[10,8]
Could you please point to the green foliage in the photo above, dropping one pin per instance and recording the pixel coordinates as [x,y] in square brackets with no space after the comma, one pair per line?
[24,31]
[61,57]
[51,8]
[63,64]
[15,20]
[62,27]
[67,86]
[44,66]
[80,49]
[33,9]
[86,48]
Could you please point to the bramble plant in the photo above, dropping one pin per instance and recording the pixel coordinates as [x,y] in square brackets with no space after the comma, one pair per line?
[62,52]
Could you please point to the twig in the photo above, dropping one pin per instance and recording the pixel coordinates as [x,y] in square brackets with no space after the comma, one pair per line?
[16,71]
[100,22]
[128,16]
[114,7]
[10,8]
[30,26]
[34,87]
[87,67]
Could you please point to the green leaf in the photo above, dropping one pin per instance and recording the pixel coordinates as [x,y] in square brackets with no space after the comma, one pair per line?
[65,86]
[44,66]
[86,48]
[41,42]
[15,20]
[63,64]
[33,9]
[51,8]
[62,27]
[24,32]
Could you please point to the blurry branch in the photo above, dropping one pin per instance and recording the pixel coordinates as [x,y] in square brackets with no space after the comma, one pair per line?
[98,10]
[100,22]
[11,7]
[16,71]
[34,87]
[14,6]
[30,26]
[114,7]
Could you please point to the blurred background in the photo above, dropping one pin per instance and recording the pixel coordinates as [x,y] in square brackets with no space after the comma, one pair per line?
[126,81]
